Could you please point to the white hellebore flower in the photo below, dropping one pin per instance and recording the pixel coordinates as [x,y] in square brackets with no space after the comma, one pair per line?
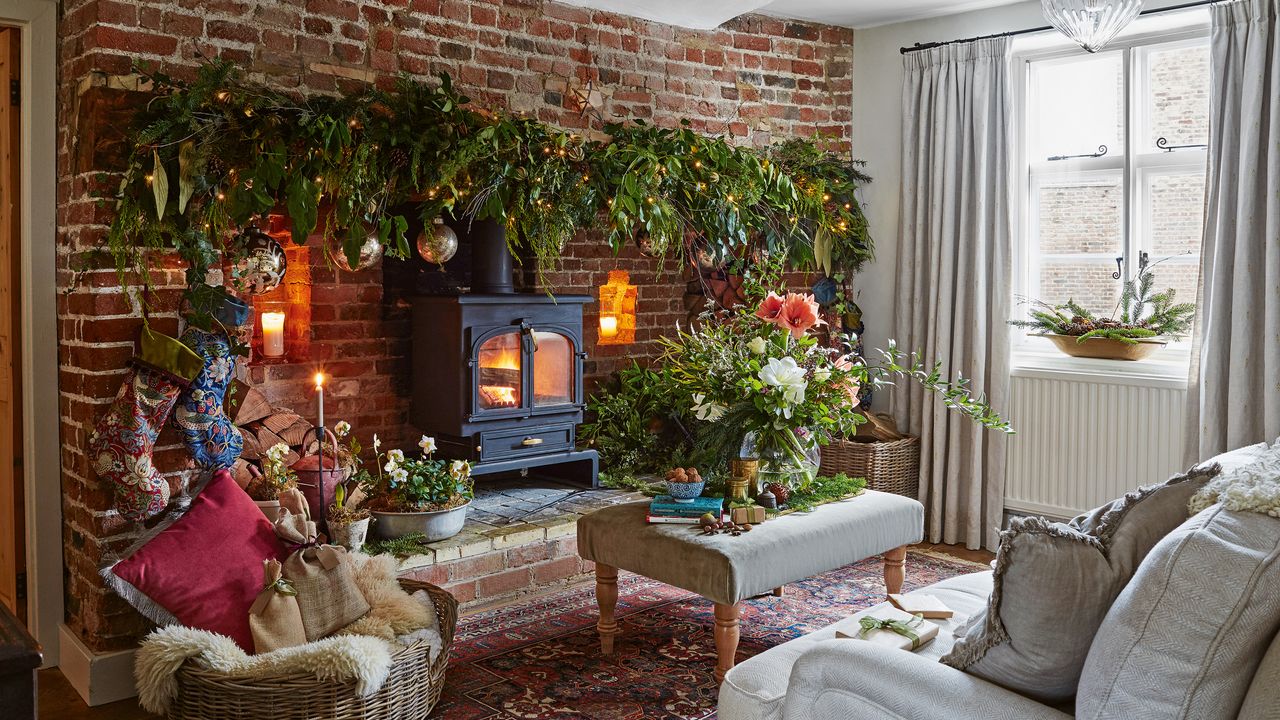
[708,411]
[376,442]
[395,456]
[788,377]
[391,466]
[758,345]
[398,476]
[342,428]
[459,469]
[428,445]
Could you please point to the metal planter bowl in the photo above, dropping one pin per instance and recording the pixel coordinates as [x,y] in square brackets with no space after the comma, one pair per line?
[436,525]
[1106,348]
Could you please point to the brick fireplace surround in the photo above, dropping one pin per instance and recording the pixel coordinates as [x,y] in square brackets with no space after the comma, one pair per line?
[759,78]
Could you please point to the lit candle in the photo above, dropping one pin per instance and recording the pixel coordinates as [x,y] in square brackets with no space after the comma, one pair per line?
[273,334]
[608,326]
[320,396]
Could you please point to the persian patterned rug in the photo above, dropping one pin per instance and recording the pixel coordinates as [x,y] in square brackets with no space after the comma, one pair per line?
[540,659]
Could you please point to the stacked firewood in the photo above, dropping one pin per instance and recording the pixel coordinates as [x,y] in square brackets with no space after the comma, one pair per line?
[264,426]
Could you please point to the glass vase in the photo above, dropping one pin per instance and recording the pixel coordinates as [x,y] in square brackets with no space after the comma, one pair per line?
[789,457]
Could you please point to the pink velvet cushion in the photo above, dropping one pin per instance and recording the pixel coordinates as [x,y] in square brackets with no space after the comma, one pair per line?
[204,568]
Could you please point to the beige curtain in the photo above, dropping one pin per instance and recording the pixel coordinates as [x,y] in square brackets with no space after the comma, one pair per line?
[1234,385]
[954,275]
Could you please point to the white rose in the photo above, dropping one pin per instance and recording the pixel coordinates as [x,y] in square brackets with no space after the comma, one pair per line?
[757,345]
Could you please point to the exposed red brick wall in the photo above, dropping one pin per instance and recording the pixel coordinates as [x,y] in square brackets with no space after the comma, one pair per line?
[759,78]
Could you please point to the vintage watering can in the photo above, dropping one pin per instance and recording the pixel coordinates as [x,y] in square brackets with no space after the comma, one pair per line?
[318,476]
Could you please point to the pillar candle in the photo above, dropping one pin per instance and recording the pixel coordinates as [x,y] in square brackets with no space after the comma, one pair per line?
[273,334]
[608,326]
[320,397]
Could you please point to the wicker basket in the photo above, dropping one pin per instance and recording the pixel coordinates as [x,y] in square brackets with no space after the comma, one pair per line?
[891,466]
[411,690]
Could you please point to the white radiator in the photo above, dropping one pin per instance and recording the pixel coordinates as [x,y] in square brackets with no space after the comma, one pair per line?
[1084,440]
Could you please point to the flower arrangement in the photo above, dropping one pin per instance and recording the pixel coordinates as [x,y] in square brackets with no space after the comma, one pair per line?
[276,475]
[759,371]
[423,483]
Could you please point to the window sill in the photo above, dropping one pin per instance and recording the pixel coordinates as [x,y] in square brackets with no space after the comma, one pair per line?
[1165,368]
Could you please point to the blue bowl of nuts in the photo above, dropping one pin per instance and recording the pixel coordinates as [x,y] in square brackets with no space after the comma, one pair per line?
[684,484]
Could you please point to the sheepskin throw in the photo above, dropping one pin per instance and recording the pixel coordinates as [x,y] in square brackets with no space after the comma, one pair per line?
[1254,487]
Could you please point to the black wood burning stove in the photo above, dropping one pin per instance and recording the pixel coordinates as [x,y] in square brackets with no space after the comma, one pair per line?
[498,374]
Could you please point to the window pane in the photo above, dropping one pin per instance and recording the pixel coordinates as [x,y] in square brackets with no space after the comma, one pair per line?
[1182,276]
[498,379]
[552,369]
[1079,216]
[1176,212]
[1079,106]
[1088,283]
[1177,101]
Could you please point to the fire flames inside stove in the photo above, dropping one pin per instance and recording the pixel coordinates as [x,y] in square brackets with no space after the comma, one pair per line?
[499,385]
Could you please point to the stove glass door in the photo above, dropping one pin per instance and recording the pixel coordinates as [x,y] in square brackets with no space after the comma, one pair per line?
[498,384]
[553,369]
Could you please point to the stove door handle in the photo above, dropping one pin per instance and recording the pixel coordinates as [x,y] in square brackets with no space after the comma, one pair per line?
[531,441]
[530,340]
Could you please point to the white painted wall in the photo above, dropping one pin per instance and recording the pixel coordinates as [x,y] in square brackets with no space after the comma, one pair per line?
[877,135]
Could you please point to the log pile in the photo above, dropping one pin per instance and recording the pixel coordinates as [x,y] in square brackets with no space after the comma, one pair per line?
[263,426]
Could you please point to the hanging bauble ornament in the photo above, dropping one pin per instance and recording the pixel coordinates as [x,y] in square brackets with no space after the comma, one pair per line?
[438,243]
[370,254]
[261,264]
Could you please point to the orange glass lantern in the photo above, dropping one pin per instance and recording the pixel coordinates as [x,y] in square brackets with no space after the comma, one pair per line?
[618,309]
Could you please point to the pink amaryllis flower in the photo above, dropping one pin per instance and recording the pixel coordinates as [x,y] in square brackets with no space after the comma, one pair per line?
[770,307]
[799,313]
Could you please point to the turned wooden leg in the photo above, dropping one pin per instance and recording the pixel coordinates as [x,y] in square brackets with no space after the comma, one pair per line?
[726,637]
[895,570]
[777,592]
[607,600]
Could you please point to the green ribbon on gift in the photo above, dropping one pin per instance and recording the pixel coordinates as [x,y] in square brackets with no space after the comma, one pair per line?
[903,628]
[282,586]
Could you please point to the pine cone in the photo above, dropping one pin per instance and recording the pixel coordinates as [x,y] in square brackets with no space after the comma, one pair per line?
[216,166]
[398,157]
[780,491]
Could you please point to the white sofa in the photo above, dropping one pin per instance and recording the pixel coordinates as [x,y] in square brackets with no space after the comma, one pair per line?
[822,677]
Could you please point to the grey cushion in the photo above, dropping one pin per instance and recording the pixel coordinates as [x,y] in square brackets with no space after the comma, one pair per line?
[755,688]
[1262,702]
[1185,637]
[727,569]
[1054,583]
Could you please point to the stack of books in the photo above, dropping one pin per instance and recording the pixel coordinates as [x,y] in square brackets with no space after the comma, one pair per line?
[664,509]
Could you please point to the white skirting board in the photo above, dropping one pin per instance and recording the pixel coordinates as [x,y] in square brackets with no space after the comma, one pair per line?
[1081,442]
[100,678]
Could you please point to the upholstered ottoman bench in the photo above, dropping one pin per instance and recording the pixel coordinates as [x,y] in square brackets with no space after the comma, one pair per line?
[727,569]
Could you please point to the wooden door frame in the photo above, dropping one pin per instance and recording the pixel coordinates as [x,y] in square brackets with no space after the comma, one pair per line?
[42,468]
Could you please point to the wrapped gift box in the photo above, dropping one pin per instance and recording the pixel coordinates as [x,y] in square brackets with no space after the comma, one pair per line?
[924,630]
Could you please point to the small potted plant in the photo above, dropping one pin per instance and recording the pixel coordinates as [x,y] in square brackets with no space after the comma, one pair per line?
[348,520]
[275,478]
[420,495]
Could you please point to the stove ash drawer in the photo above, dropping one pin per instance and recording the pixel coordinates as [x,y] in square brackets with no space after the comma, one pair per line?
[507,444]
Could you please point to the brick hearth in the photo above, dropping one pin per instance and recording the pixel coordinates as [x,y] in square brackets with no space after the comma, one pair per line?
[519,538]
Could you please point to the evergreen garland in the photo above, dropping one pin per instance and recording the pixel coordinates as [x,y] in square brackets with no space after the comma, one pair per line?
[217,153]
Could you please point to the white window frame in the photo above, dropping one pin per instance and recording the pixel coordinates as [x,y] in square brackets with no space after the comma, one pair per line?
[1037,355]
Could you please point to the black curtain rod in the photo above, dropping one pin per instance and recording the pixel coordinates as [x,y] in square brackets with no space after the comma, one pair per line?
[1043,28]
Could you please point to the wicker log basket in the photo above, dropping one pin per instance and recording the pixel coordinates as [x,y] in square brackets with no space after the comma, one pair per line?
[889,460]
[409,693]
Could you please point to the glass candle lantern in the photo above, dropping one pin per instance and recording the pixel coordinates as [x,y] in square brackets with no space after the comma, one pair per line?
[273,334]
[618,309]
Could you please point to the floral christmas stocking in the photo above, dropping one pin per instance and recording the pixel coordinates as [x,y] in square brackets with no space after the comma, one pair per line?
[121,443]
[212,439]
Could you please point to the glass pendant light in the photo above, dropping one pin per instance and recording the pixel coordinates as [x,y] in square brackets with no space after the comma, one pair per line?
[1090,23]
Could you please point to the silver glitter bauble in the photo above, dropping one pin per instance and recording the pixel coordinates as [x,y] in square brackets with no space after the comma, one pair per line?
[438,243]
[370,254]
[262,263]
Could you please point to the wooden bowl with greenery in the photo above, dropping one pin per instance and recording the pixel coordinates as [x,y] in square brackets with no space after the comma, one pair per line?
[1105,348]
